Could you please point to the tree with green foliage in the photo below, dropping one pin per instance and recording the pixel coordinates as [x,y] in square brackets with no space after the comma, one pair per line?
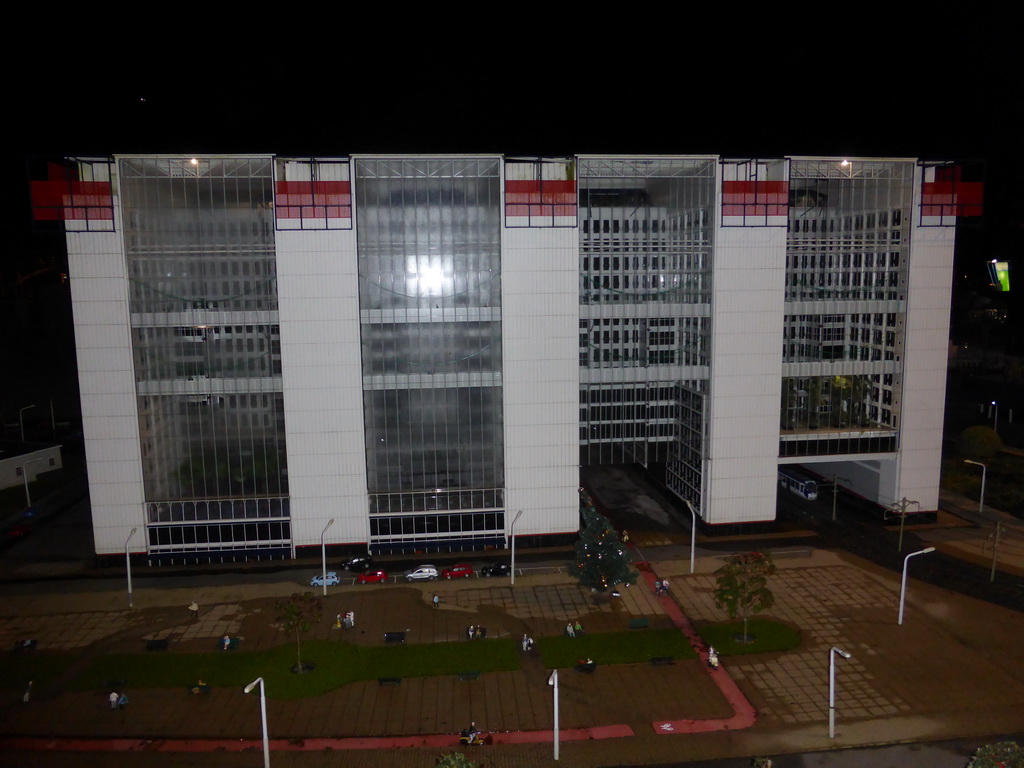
[298,613]
[742,586]
[601,558]
[454,760]
[1001,754]
[979,442]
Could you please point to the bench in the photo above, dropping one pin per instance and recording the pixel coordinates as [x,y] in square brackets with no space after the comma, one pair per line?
[467,676]
[394,637]
[585,667]
[662,661]
[639,623]
[156,645]
[381,681]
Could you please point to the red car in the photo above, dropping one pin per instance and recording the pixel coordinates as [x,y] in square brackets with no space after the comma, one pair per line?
[372,577]
[458,571]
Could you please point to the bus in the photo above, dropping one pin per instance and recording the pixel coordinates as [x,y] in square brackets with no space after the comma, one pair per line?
[800,483]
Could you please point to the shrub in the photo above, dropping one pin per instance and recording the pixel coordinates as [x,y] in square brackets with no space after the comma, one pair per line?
[979,442]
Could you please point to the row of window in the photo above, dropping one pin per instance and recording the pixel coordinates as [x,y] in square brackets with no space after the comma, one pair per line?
[219,535]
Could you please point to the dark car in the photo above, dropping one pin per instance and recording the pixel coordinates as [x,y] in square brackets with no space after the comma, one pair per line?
[358,564]
[496,569]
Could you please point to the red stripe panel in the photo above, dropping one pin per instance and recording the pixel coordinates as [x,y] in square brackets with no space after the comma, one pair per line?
[71,200]
[547,192]
[952,198]
[774,194]
[313,200]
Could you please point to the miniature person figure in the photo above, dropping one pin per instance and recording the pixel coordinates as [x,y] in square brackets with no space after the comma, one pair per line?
[28,693]
[569,631]
[122,701]
[225,642]
[470,632]
[337,622]
[712,657]
[112,698]
[526,643]
[193,609]
[479,633]
[350,619]
[657,587]
[625,537]
[437,601]
[529,644]
[577,627]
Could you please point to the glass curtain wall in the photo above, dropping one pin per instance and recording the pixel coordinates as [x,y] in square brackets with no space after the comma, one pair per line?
[847,247]
[429,240]
[645,285]
[199,241]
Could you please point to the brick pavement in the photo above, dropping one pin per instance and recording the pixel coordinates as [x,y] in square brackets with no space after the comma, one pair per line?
[954,668]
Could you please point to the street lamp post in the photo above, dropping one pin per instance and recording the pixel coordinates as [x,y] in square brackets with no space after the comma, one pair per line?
[21,419]
[553,681]
[995,421]
[128,565]
[984,472]
[903,584]
[512,535]
[323,554]
[832,688]
[835,492]
[263,718]
[24,477]
[693,533]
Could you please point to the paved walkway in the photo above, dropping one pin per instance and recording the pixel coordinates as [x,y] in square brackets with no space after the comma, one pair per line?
[954,668]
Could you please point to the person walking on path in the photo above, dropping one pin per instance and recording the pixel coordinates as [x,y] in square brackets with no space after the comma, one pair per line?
[112,698]
[437,601]
[193,609]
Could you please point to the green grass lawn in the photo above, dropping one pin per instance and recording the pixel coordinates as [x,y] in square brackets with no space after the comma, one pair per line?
[768,636]
[614,647]
[336,664]
[16,669]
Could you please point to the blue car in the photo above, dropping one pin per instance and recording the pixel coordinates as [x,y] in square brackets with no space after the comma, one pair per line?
[318,580]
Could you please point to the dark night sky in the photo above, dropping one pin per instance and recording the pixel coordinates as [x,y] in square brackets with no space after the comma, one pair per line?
[886,84]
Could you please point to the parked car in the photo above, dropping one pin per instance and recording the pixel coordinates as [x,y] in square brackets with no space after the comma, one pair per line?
[458,571]
[496,569]
[358,564]
[423,572]
[372,577]
[318,580]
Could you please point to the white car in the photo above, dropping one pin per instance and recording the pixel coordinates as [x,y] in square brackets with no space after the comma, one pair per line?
[318,580]
[422,573]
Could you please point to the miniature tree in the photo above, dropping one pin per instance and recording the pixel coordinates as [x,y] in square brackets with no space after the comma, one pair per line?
[1001,754]
[298,613]
[454,760]
[742,586]
[601,559]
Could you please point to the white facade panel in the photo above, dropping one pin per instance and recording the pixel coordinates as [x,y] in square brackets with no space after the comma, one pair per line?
[746,371]
[319,311]
[540,378]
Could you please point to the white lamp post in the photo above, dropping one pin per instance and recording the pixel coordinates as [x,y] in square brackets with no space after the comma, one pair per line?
[21,419]
[693,534]
[832,688]
[553,681]
[835,492]
[323,554]
[984,471]
[995,421]
[512,534]
[903,585]
[128,565]
[263,718]
[24,477]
